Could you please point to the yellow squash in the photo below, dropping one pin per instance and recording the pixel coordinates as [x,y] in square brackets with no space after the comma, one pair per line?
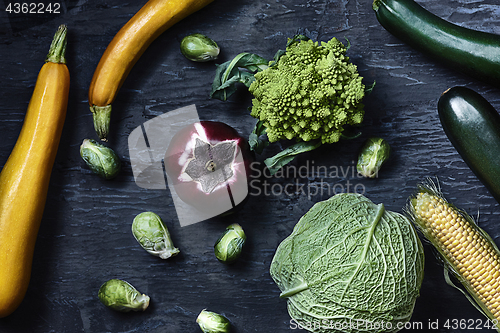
[127,47]
[24,179]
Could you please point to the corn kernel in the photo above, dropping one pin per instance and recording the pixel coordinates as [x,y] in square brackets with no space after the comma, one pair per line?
[467,250]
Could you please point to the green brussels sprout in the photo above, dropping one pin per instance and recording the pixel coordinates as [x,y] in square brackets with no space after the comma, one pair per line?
[211,322]
[230,244]
[199,48]
[152,234]
[100,159]
[121,296]
[373,154]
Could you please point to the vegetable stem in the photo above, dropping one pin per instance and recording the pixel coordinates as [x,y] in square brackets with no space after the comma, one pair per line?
[292,291]
[102,116]
[380,212]
[57,50]
[369,237]
[142,302]
[233,63]
[376,4]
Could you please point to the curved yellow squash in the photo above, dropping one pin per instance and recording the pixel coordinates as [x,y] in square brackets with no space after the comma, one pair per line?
[126,48]
[24,179]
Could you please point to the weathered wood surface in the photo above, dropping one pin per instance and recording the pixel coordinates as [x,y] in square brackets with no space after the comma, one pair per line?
[85,236]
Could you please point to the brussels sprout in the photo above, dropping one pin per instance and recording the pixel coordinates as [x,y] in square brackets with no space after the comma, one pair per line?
[373,154]
[122,296]
[152,234]
[228,247]
[100,159]
[211,322]
[200,48]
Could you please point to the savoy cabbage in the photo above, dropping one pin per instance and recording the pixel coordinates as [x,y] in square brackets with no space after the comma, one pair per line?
[350,266]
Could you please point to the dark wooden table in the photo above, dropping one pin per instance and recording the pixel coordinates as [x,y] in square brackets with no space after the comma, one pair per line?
[85,236]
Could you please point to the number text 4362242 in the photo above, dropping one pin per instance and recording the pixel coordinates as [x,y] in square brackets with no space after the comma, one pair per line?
[33,8]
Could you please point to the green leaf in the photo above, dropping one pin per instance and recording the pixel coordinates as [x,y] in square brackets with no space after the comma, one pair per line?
[222,90]
[296,39]
[252,62]
[256,140]
[348,46]
[369,89]
[246,78]
[449,282]
[286,156]
[277,56]
[229,73]
[257,144]
[259,128]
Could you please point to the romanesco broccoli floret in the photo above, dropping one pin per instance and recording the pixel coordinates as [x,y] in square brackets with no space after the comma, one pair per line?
[310,93]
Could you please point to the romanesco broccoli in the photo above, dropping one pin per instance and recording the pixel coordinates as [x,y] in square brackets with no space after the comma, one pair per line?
[310,93]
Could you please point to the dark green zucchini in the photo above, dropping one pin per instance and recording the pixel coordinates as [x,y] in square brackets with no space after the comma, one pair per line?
[473,127]
[472,52]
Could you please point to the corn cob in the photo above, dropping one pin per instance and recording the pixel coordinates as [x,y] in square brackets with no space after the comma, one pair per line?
[467,250]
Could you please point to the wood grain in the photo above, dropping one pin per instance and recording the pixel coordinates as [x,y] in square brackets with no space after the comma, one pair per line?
[85,236]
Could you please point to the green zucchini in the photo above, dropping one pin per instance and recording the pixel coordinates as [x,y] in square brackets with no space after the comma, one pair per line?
[472,52]
[473,127]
